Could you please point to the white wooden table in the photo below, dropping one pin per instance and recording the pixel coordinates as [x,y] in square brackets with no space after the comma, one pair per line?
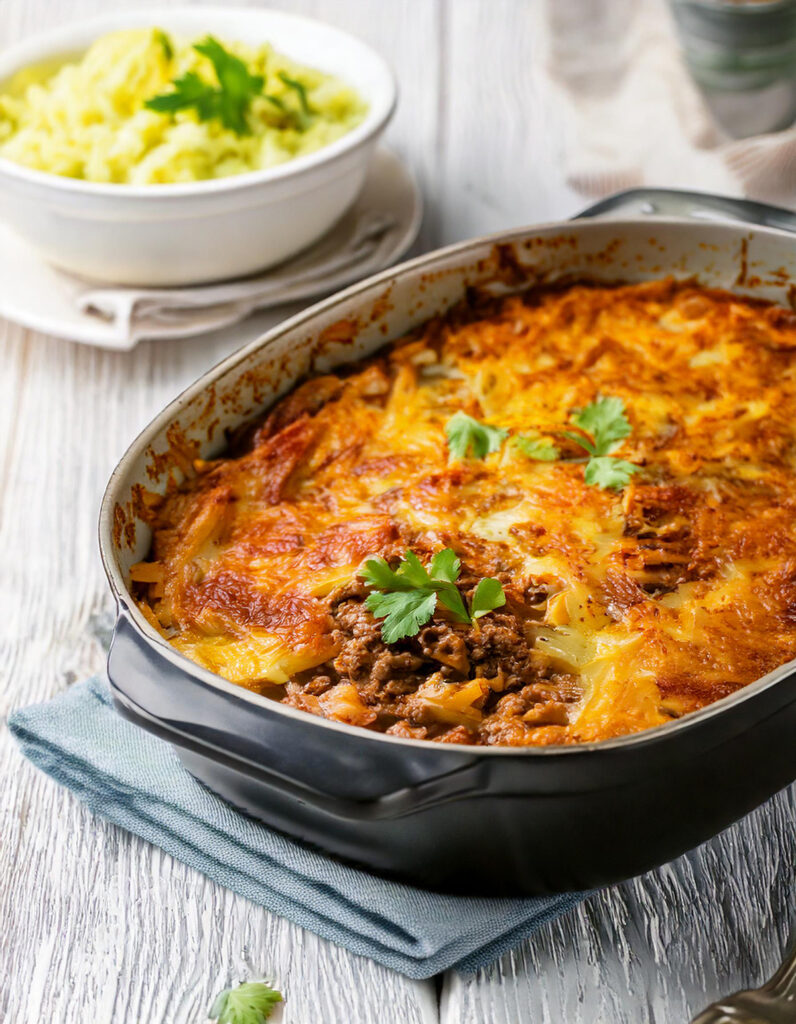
[95,925]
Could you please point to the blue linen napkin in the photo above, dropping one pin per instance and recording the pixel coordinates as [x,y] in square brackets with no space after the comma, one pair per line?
[135,780]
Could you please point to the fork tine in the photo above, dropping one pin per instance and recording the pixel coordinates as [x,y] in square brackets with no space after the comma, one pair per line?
[783,982]
[773,1003]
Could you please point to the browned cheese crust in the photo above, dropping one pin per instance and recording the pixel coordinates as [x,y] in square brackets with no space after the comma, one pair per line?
[624,608]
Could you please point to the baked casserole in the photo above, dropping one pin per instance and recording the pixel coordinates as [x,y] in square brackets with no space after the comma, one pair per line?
[551,518]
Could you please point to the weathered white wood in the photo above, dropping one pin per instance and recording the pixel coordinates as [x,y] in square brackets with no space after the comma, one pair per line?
[500,151]
[658,949]
[96,925]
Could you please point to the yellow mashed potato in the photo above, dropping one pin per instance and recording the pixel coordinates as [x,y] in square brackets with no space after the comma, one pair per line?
[86,118]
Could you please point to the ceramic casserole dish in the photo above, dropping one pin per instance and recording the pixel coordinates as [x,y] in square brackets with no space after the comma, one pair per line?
[460,818]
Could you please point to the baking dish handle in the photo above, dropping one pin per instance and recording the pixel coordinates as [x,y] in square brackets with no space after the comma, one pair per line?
[457,784]
[139,677]
[704,206]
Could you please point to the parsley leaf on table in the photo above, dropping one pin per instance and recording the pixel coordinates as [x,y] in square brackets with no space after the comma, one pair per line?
[229,103]
[467,434]
[407,596]
[249,1003]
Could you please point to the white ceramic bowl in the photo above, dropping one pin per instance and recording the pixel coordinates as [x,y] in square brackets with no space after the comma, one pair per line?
[205,230]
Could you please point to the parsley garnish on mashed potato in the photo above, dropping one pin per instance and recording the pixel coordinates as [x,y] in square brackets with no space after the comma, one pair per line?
[93,117]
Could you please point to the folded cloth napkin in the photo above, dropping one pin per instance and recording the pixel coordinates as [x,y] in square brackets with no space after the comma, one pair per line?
[362,244]
[134,780]
[378,228]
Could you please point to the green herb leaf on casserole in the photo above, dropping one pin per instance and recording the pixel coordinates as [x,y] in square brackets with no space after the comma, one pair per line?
[466,434]
[445,565]
[602,425]
[404,612]
[487,596]
[407,597]
[608,472]
[605,423]
[534,447]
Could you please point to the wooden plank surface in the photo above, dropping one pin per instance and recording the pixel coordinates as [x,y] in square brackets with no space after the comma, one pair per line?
[658,949]
[96,925]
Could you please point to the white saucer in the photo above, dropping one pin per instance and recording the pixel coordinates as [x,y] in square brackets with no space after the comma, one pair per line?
[38,296]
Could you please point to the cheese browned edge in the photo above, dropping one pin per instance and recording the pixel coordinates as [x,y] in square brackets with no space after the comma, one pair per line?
[625,609]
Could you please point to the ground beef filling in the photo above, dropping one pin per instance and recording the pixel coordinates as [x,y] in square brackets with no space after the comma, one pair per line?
[451,683]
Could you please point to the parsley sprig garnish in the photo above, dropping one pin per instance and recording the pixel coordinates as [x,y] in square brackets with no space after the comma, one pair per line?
[230,100]
[466,434]
[406,597]
[249,1003]
[165,43]
[605,425]
[602,426]
[534,447]
[304,114]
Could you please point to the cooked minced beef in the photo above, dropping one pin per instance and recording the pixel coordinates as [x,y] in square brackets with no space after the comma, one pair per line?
[395,688]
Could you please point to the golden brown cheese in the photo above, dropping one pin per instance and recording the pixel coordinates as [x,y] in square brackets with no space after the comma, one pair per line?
[625,609]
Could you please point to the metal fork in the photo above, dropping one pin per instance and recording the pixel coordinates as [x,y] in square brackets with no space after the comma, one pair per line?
[772,1003]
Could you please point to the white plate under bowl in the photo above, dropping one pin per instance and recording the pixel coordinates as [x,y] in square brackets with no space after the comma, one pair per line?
[36,295]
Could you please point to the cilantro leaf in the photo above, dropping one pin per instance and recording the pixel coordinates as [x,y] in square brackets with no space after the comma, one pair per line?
[487,596]
[412,570]
[407,596]
[189,91]
[445,569]
[536,447]
[238,85]
[304,113]
[165,42]
[229,103]
[579,439]
[249,1003]
[376,573]
[467,434]
[602,426]
[445,565]
[449,595]
[606,423]
[609,472]
[404,612]
[299,88]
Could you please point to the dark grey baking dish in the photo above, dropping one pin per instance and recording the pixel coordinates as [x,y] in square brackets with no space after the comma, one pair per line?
[475,820]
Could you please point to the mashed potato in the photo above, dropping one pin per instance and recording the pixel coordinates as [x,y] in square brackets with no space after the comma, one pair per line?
[86,118]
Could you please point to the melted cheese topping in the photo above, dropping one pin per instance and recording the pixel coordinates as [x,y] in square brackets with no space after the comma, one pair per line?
[651,602]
